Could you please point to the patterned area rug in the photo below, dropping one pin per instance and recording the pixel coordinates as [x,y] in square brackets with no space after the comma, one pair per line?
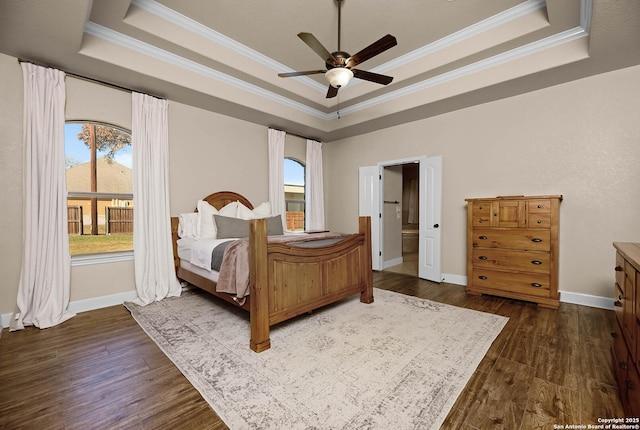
[399,363]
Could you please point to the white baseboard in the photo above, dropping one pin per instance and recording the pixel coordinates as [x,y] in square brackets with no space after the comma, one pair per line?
[586,300]
[90,304]
[565,296]
[454,279]
[390,263]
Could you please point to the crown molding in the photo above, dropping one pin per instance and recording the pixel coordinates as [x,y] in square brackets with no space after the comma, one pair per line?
[166,13]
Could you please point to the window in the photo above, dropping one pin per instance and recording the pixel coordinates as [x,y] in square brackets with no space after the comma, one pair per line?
[99,187]
[294,194]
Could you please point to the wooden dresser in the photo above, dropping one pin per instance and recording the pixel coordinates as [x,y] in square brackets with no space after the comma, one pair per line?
[512,248]
[626,327]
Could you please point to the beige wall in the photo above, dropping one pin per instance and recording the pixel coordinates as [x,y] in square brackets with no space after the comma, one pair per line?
[580,139]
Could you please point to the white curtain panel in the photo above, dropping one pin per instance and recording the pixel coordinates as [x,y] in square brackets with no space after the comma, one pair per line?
[43,292]
[276,174]
[314,196]
[152,249]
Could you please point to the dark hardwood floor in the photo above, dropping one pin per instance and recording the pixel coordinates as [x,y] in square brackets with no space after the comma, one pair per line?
[99,370]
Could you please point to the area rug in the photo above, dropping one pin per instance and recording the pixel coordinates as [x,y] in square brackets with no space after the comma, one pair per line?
[398,363]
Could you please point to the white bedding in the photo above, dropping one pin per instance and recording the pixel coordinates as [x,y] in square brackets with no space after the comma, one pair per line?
[198,252]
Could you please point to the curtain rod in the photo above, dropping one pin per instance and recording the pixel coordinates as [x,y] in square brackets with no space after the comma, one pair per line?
[297,135]
[93,80]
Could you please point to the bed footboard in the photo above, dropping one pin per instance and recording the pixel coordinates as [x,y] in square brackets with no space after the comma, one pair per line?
[286,281]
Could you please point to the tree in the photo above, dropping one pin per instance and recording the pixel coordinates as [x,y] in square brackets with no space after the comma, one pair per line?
[101,138]
[107,139]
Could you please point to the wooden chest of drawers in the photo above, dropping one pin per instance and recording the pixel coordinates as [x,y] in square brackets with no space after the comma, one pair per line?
[512,248]
[626,327]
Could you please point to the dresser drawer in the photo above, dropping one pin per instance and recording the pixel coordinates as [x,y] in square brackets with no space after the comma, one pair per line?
[481,213]
[539,206]
[537,262]
[522,239]
[538,220]
[526,283]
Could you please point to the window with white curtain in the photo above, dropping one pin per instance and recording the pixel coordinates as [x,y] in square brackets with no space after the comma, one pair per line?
[99,188]
[294,183]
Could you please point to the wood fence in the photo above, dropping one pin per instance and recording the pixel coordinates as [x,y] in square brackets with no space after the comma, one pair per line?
[119,220]
[74,219]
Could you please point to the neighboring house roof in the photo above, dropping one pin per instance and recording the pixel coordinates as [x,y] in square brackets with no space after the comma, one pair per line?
[112,177]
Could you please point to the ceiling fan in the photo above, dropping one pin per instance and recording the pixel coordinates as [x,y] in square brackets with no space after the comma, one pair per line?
[340,65]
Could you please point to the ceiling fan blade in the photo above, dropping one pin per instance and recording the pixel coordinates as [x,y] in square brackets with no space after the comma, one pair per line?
[372,50]
[373,77]
[315,44]
[308,72]
[332,92]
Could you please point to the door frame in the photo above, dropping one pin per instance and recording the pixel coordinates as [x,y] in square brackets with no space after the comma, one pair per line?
[430,209]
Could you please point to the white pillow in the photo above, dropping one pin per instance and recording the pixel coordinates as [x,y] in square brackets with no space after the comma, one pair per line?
[230,210]
[188,225]
[262,211]
[206,224]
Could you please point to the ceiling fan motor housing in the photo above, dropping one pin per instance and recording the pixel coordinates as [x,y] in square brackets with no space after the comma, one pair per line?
[341,59]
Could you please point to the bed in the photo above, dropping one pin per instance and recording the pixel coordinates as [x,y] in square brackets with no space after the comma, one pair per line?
[287,279]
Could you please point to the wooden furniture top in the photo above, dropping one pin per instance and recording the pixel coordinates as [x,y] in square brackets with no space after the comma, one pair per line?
[222,198]
[630,251]
[516,198]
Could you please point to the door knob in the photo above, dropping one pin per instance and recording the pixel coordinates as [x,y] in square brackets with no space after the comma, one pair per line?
[436,225]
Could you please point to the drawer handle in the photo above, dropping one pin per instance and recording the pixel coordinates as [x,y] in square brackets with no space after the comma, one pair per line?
[539,221]
[482,257]
[482,237]
[629,384]
[618,269]
[539,206]
[536,262]
[617,304]
[482,277]
[623,365]
[614,335]
[536,240]
[535,284]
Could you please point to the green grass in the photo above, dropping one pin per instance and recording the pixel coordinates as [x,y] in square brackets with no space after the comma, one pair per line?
[88,244]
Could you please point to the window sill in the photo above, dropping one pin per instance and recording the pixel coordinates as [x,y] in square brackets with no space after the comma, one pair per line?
[108,257]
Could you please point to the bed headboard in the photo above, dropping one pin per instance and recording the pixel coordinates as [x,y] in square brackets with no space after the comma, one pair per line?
[222,198]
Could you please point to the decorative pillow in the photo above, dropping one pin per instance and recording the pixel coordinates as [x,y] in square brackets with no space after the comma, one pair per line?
[205,220]
[274,226]
[206,223]
[231,227]
[239,228]
[262,211]
[188,225]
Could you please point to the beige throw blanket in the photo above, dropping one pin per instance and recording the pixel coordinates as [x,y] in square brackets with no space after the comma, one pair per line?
[234,272]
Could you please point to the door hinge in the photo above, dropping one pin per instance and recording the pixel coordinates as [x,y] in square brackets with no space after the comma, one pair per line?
[380,177]
[380,253]
[380,215]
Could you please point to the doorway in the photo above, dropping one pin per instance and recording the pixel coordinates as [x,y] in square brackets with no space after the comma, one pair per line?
[403,231]
[374,191]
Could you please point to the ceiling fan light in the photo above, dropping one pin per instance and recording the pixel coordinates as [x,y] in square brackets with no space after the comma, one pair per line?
[339,76]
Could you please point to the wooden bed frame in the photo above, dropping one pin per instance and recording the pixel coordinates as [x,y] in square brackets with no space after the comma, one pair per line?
[286,281]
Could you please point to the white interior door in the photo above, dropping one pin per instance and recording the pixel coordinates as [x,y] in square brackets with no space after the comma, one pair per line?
[370,178]
[430,191]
